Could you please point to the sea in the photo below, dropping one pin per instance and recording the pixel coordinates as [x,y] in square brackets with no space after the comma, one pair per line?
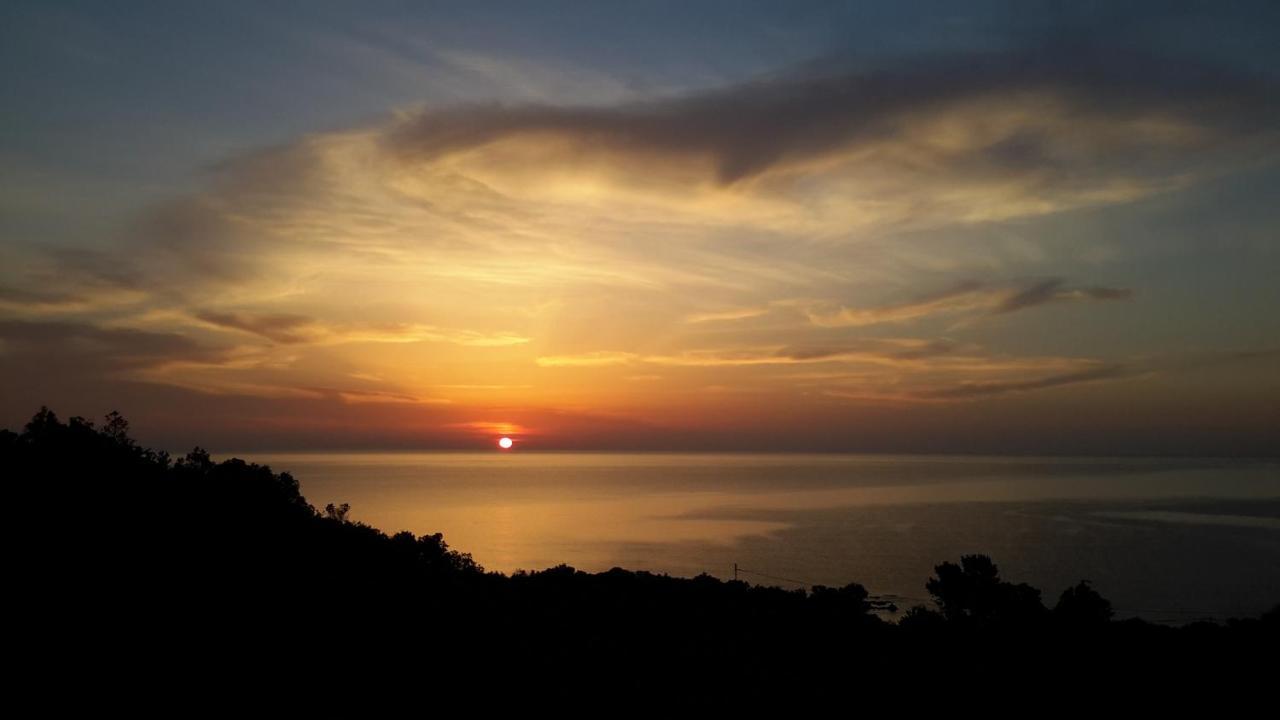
[1169,540]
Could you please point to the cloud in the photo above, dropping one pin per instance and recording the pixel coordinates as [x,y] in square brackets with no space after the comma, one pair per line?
[291,329]
[1052,290]
[50,347]
[52,295]
[900,352]
[412,332]
[965,296]
[490,427]
[1033,376]
[968,297]
[932,387]
[746,131]
[277,328]
[20,297]
[883,358]
[602,358]
[969,390]
[375,396]
[880,350]
[726,315]
[892,370]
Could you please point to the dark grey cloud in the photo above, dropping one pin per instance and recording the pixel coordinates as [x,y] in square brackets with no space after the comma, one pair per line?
[281,328]
[1106,293]
[196,232]
[46,347]
[91,266]
[1037,294]
[967,297]
[933,348]
[811,353]
[20,296]
[747,129]
[887,350]
[1214,359]
[1055,290]
[970,390]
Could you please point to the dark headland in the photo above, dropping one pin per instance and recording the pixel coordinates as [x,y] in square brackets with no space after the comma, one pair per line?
[140,568]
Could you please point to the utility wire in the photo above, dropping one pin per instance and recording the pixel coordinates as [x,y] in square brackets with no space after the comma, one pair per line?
[775,577]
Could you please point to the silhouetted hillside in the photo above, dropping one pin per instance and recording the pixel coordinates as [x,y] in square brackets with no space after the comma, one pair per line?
[174,567]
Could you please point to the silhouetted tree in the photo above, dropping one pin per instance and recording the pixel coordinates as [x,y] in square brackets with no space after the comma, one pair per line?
[43,427]
[850,599]
[921,619]
[116,428]
[1082,605]
[972,592]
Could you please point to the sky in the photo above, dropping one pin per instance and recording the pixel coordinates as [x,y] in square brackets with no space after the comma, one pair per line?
[982,227]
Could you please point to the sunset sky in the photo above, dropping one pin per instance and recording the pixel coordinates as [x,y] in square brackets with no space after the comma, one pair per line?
[896,227]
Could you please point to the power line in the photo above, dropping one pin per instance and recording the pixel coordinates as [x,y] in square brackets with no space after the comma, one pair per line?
[772,577]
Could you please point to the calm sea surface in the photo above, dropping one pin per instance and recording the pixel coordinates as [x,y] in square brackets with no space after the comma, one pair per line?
[1169,540]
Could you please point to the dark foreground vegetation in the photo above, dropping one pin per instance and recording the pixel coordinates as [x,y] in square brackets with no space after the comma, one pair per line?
[148,571]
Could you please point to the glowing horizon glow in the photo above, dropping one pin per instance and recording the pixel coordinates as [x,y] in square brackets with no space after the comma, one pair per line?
[505,443]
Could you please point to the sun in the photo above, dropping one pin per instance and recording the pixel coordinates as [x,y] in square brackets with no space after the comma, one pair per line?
[505,443]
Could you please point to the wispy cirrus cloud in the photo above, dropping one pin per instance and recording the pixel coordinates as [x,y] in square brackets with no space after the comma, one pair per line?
[96,350]
[893,370]
[726,315]
[597,358]
[904,353]
[967,297]
[977,389]
[293,329]
[1053,290]
[279,328]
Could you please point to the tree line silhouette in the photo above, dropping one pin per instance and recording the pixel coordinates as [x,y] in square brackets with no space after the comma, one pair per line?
[188,561]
